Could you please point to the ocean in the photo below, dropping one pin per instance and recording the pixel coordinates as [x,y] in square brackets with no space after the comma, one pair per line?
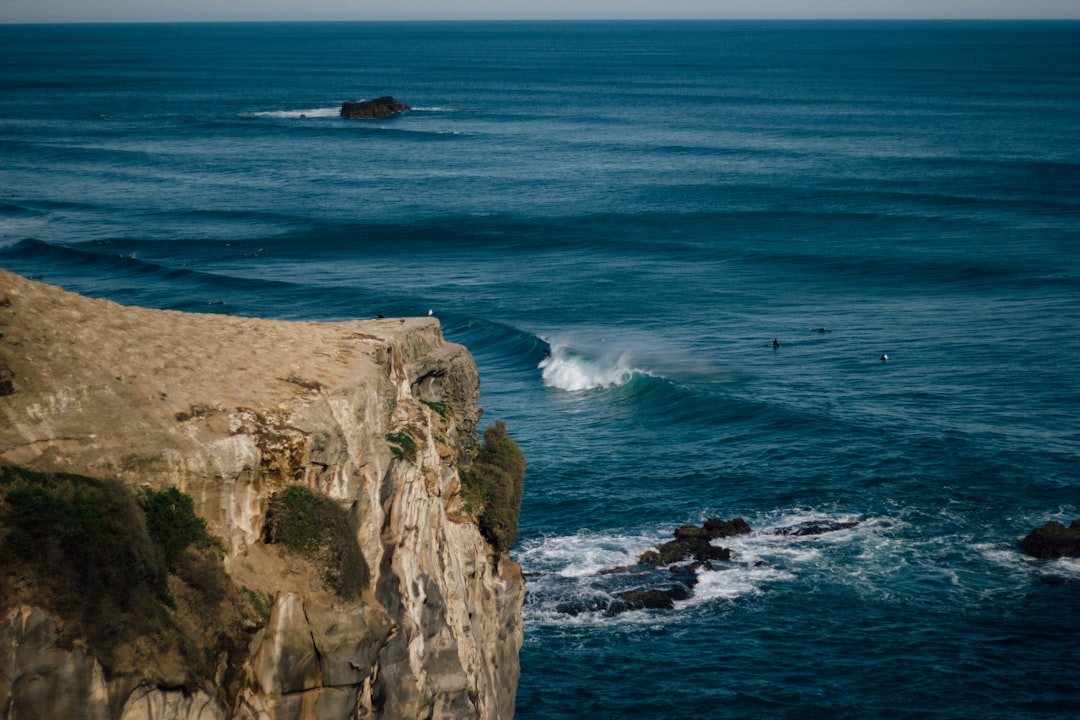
[618,219]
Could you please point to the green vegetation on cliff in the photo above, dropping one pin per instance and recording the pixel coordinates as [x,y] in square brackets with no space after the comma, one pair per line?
[115,568]
[402,445]
[315,526]
[493,485]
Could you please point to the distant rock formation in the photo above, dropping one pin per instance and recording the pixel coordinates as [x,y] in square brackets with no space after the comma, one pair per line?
[376,416]
[1054,540]
[382,107]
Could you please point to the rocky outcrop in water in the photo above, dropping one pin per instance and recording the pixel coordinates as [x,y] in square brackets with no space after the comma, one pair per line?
[1053,540]
[659,580]
[377,415]
[383,107]
[695,543]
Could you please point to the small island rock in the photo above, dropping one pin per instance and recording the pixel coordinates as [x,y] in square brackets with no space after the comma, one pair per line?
[382,107]
[1054,540]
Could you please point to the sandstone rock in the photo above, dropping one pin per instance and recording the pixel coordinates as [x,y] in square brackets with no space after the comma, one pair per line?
[1054,540]
[382,107]
[229,410]
[38,678]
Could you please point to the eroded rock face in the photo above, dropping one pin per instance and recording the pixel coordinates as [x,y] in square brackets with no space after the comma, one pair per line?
[230,410]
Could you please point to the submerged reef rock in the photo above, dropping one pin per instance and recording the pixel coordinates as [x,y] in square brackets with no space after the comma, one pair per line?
[693,542]
[382,107]
[657,581]
[1053,540]
[287,498]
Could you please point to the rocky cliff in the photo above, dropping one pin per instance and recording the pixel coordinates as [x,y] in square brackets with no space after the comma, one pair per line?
[376,415]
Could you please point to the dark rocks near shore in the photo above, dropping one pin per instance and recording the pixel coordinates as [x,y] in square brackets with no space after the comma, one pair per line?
[1053,540]
[658,581]
[692,542]
[668,573]
[670,585]
[383,107]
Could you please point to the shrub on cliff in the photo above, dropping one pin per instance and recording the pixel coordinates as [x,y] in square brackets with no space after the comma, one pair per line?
[79,547]
[173,524]
[317,527]
[99,558]
[493,486]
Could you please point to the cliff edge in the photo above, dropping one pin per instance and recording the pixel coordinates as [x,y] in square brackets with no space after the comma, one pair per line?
[378,416]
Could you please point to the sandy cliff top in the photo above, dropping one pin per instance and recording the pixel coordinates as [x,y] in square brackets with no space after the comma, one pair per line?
[69,364]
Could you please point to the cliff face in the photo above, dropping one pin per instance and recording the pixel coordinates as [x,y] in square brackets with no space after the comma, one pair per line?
[375,414]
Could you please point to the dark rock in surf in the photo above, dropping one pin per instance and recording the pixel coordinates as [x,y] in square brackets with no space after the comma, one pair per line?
[578,607]
[1054,540]
[382,107]
[692,542]
[726,528]
[670,582]
[642,600]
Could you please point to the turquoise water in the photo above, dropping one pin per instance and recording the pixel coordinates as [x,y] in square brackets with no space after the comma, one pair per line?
[653,204]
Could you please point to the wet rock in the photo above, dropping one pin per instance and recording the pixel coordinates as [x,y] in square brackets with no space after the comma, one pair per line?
[693,543]
[579,607]
[725,528]
[1054,540]
[382,107]
[662,576]
[642,600]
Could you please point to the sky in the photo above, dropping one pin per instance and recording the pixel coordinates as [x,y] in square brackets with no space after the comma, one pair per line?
[37,11]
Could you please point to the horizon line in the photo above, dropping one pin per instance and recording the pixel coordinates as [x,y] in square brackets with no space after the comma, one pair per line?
[796,19]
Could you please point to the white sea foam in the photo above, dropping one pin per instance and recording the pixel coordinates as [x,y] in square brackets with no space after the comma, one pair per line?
[733,582]
[311,113]
[583,554]
[600,357]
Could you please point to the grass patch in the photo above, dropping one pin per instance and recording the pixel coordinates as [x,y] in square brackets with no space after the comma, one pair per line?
[442,409]
[316,527]
[493,486]
[402,445]
[261,602]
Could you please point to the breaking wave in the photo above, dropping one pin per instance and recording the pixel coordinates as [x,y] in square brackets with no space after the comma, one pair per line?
[567,369]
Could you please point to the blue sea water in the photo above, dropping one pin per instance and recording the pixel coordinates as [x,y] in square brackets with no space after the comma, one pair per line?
[654,204]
